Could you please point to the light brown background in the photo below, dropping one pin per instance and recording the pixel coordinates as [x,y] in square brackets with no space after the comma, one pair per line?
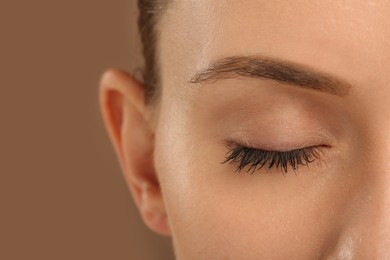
[62,195]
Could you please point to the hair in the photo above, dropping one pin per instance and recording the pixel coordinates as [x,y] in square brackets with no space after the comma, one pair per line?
[149,13]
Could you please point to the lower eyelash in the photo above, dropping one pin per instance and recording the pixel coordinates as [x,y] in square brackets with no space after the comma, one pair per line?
[256,159]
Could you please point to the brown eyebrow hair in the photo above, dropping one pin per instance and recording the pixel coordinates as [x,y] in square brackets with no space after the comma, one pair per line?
[283,71]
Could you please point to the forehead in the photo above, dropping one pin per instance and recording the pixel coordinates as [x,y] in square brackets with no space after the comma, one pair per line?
[347,36]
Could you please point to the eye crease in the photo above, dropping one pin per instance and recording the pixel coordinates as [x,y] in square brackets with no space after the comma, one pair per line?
[256,159]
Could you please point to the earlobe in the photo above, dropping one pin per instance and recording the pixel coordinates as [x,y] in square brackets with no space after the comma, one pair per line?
[153,211]
[123,108]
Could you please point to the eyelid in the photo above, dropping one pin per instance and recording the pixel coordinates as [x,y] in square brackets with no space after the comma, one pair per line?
[281,142]
[257,159]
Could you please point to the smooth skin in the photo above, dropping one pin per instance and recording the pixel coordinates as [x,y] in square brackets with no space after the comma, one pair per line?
[337,207]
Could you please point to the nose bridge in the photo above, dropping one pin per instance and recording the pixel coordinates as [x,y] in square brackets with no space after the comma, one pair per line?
[366,231]
[369,225]
[374,225]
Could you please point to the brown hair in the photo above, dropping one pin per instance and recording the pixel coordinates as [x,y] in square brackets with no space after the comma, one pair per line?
[150,11]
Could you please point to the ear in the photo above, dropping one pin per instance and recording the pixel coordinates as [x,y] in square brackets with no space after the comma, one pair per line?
[124,113]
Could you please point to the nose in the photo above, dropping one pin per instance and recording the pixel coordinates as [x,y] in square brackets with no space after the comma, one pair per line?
[365,232]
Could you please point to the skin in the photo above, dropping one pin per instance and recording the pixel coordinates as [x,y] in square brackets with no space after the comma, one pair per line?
[171,151]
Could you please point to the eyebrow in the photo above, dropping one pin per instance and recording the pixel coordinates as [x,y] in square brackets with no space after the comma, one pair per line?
[282,71]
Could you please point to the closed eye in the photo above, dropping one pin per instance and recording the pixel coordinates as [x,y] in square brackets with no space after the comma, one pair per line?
[255,159]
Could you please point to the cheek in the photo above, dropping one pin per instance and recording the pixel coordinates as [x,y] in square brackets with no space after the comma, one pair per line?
[216,212]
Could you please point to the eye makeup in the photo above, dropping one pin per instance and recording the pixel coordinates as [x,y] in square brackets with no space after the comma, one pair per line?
[256,159]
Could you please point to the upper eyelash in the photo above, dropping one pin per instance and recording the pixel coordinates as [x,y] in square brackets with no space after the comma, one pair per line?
[258,158]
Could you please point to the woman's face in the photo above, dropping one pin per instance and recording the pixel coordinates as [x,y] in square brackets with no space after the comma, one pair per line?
[275,76]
